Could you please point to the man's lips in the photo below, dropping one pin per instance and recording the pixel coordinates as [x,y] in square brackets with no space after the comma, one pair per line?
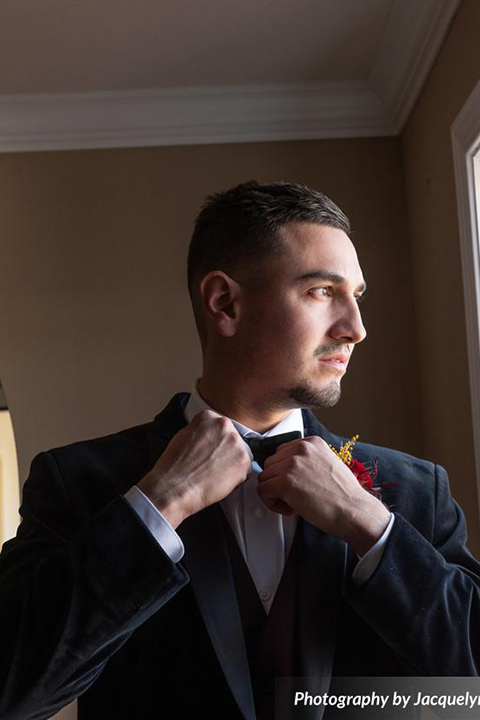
[338,361]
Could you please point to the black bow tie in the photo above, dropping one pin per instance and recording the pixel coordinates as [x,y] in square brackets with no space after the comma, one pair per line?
[263,447]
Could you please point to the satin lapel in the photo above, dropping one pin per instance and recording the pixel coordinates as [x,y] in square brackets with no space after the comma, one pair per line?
[314,427]
[208,565]
[322,573]
[166,425]
[321,577]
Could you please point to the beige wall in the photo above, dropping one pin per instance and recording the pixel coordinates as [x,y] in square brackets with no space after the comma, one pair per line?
[95,328]
[434,235]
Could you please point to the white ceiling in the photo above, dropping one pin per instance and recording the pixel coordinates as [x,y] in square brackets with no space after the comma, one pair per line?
[103,73]
[68,46]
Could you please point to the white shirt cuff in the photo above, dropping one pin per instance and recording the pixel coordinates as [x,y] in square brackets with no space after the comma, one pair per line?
[367,564]
[159,526]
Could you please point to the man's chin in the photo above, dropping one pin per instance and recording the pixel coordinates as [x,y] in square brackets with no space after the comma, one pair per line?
[308,396]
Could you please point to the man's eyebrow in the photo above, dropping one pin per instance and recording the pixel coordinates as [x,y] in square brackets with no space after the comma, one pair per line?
[329,277]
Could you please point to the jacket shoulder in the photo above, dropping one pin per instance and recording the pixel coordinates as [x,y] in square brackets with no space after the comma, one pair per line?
[395,458]
[112,448]
[76,481]
[123,451]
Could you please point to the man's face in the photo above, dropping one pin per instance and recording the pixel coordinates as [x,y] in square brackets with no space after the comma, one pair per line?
[301,320]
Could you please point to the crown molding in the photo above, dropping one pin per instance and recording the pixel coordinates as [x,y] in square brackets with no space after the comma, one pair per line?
[252,113]
[413,35]
[189,116]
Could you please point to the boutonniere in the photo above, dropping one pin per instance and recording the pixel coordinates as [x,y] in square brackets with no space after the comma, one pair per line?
[364,475]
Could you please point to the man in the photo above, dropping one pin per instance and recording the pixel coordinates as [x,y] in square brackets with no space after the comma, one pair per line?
[177,568]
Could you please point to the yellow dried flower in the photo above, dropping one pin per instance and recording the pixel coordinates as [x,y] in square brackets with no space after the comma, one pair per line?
[345,452]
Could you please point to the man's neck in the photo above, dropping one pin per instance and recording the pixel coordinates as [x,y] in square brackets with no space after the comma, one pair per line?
[252,414]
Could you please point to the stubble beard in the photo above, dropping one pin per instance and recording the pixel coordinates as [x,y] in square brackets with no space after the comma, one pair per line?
[307,395]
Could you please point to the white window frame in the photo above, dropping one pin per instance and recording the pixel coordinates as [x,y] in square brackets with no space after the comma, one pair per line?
[465,133]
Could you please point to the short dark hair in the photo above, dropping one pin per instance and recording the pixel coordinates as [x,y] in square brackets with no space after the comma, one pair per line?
[241,226]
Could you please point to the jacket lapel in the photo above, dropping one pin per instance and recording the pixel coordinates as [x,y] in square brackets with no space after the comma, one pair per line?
[166,425]
[322,574]
[207,563]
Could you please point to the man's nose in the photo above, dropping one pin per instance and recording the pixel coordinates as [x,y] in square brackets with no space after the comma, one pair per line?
[349,326]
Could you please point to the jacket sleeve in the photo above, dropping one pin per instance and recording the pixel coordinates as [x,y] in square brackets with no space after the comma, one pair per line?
[424,598]
[70,599]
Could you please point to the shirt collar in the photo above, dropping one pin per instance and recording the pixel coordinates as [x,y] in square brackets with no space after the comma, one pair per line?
[293,421]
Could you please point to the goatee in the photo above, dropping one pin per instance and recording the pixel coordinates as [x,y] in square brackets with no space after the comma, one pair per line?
[308,396]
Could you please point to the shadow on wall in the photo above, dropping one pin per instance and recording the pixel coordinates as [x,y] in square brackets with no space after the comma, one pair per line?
[9,482]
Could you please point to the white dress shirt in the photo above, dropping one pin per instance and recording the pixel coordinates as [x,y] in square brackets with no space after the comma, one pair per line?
[264,537]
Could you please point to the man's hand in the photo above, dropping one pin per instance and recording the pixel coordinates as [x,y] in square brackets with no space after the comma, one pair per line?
[307,478]
[201,465]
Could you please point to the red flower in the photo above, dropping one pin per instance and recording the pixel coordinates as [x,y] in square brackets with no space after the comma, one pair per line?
[361,473]
[364,475]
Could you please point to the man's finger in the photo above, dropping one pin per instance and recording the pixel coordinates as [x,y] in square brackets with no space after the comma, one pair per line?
[280,508]
[272,469]
[283,451]
[269,495]
[290,446]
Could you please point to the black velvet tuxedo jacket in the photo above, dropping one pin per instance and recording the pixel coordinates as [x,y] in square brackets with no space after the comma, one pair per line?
[91,606]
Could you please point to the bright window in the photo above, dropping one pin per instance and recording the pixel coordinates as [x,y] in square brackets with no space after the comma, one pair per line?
[9,486]
[466,159]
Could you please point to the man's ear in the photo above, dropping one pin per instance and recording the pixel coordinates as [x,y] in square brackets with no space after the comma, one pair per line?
[220,297]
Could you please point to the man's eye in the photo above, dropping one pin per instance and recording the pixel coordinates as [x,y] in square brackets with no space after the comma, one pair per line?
[320,292]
